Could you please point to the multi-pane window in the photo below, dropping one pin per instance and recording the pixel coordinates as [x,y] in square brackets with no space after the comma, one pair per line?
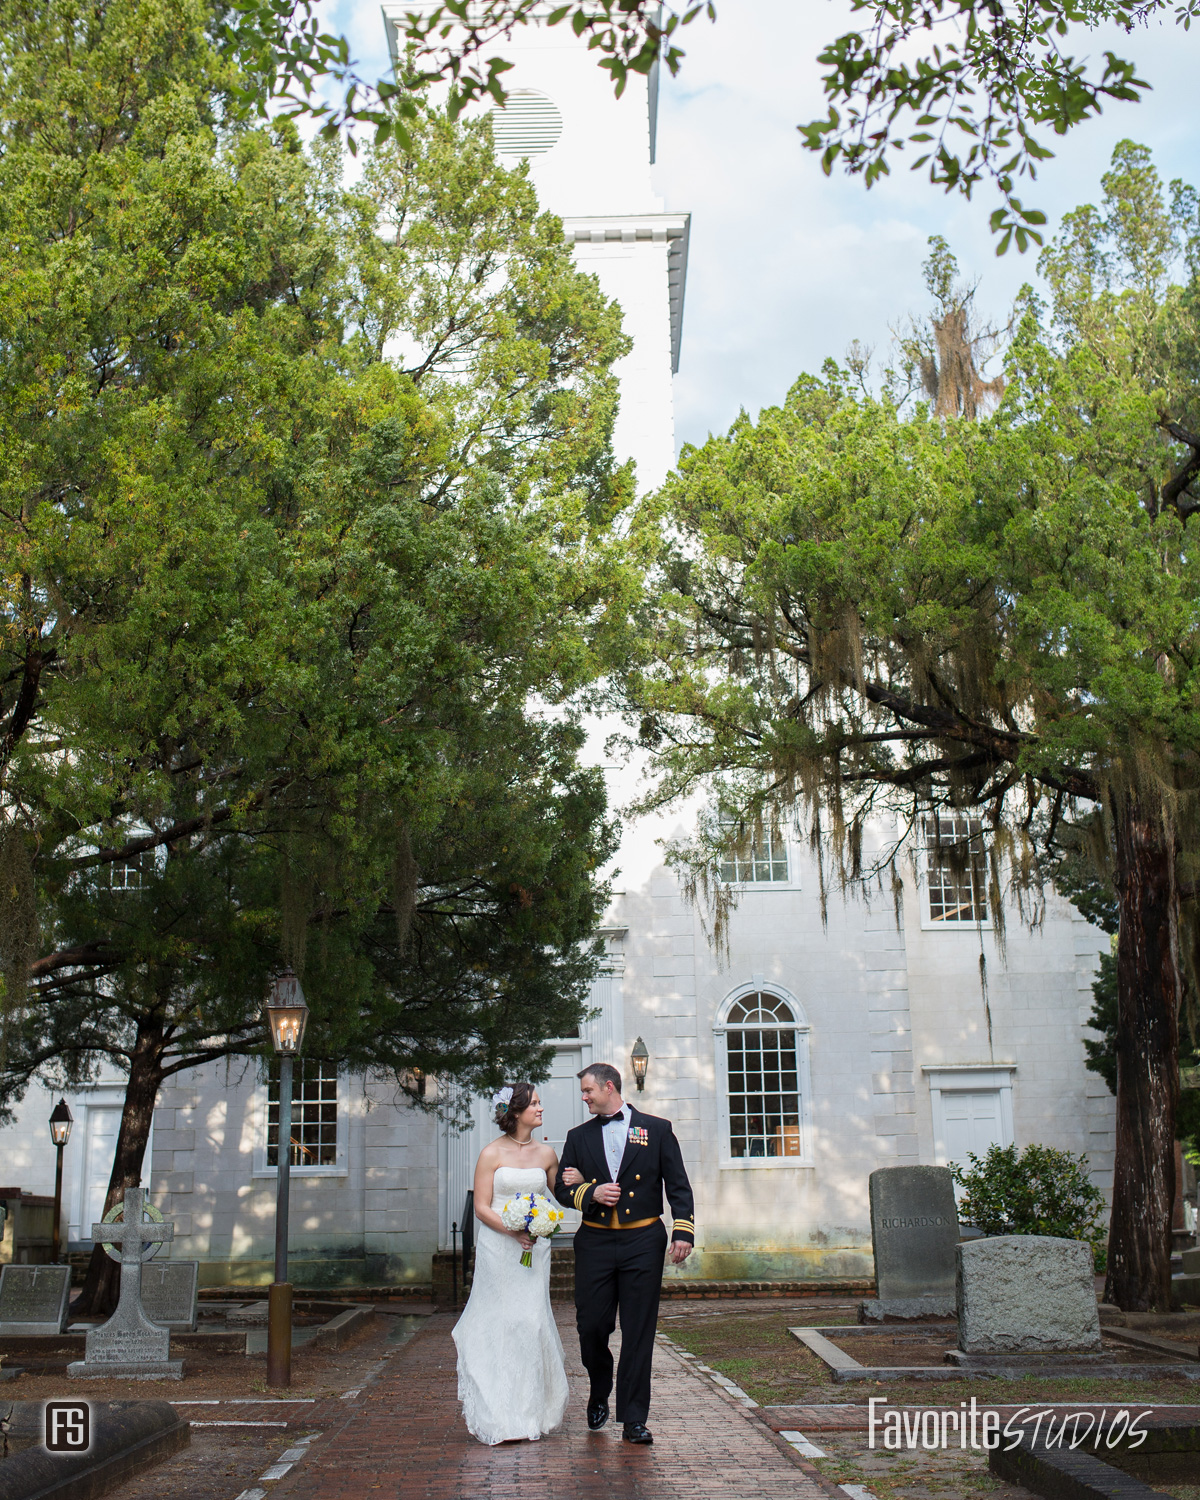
[763,1078]
[955,870]
[314,1113]
[765,858]
[130,874]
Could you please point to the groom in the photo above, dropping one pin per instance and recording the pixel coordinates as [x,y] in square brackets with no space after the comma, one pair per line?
[614,1170]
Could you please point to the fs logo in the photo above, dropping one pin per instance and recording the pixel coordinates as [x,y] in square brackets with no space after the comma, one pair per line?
[68,1426]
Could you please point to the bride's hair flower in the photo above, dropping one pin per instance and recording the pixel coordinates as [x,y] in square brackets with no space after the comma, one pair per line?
[501,1100]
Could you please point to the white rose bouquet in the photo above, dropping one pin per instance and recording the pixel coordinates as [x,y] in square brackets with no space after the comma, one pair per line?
[532,1214]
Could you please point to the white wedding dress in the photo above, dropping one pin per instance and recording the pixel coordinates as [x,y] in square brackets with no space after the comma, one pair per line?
[512,1380]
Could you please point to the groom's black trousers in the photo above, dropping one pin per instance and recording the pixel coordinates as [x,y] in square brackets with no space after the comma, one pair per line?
[619,1269]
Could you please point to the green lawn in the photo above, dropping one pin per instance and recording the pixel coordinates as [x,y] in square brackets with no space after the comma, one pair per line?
[751,1346]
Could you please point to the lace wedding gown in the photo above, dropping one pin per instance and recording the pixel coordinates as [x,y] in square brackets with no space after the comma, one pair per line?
[511,1378]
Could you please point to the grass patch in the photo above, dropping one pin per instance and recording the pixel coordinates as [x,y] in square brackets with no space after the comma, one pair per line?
[754,1349]
[904,1476]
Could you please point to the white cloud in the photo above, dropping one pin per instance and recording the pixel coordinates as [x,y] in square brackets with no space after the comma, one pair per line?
[788,266]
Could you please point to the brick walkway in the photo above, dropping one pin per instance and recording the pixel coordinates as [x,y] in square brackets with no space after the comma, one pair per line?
[404,1437]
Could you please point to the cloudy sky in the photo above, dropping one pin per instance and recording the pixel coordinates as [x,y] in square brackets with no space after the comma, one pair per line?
[788,266]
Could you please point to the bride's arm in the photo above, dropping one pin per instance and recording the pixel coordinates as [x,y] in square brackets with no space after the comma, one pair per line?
[485,1171]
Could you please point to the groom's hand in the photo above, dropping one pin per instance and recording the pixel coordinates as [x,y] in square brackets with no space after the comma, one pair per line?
[680,1250]
[608,1193]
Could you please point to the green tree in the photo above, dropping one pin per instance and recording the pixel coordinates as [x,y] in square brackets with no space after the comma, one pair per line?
[860,615]
[305,495]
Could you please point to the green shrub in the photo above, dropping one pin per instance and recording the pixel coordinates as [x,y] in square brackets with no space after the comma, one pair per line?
[1041,1191]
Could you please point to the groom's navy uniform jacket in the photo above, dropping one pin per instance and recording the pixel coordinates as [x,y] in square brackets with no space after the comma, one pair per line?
[652,1162]
[619,1249]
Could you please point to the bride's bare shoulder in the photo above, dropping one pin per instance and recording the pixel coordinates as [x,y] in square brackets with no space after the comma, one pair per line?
[490,1155]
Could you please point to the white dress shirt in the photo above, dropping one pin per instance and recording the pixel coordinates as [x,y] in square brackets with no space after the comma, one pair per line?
[615,1133]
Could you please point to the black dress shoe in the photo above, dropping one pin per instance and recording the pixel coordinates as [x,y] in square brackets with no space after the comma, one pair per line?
[637,1432]
[597,1415]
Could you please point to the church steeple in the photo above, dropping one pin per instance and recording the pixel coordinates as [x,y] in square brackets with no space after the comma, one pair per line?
[589,156]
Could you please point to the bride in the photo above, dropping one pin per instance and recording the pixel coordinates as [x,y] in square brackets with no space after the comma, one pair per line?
[511,1378]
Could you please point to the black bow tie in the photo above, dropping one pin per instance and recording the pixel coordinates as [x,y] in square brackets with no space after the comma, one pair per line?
[612,1119]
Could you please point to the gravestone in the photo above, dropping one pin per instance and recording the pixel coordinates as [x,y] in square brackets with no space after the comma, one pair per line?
[1021,1292]
[169,1293]
[33,1300]
[914,1232]
[129,1344]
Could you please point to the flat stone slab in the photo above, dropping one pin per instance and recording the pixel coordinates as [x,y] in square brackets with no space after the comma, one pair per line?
[125,1438]
[162,1369]
[906,1307]
[914,1231]
[1025,1293]
[845,1367]
[825,1343]
[252,1312]
[33,1300]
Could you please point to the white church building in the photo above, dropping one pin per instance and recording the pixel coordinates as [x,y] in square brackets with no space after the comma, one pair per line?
[807,1053]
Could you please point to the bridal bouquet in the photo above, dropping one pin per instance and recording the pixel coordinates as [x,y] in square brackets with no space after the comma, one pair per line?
[536,1215]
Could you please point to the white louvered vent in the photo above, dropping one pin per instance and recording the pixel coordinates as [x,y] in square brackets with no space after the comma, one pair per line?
[528,125]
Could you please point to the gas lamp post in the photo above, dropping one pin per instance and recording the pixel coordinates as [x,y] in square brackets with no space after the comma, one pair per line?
[61,1121]
[286,1015]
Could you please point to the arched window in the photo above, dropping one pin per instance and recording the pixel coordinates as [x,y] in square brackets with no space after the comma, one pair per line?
[762,1048]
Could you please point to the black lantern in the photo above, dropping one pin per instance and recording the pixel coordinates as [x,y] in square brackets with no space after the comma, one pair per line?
[287,1014]
[641,1061]
[61,1121]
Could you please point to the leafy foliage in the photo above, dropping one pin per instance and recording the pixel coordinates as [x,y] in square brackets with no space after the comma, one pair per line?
[305,494]
[864,622]
[1037,1191]
[965,86]
[283,54]
[1102,1054]
[970,88]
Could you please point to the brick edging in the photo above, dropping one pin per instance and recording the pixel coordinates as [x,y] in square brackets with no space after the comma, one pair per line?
[680,1286]
[673,1287]
[406,1292]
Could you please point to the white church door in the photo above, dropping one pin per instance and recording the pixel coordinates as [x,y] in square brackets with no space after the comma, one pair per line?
[103,1123]
[563,1107]
[972,1122]
[99,1115]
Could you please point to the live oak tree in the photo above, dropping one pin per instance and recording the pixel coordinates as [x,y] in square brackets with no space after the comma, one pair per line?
[305,493]
[866,616]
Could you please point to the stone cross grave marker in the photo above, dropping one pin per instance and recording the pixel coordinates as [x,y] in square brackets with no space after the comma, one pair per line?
[169,1293]
[914,1233]
[33,1300]
[129,1344]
